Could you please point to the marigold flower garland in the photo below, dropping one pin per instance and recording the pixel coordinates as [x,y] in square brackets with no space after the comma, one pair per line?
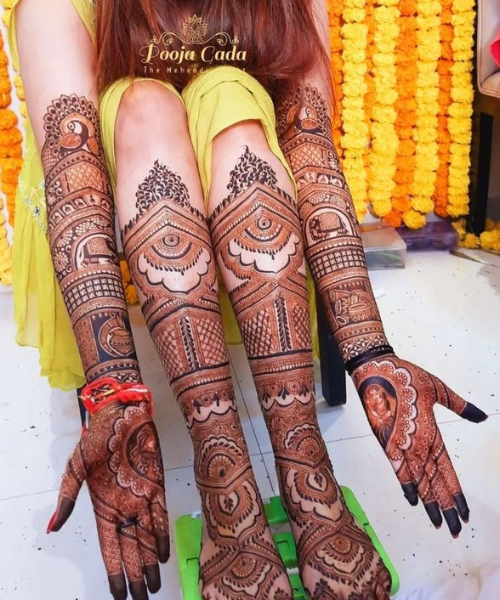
[10,163]
[335,18]
[355,138]
[385,142]
[462,93]
[427,127]
[488,240]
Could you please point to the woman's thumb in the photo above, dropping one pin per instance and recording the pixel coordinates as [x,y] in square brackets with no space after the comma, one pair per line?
[71,484]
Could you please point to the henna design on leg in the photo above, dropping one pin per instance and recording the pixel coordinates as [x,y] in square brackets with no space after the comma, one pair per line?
[257,241]
[82,239]
[169,251]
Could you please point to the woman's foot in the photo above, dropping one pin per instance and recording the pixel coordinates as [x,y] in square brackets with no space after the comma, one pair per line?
[337,560]
[238,559]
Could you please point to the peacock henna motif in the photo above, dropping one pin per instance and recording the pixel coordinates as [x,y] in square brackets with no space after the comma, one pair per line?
[168,248]
[257,241]
[82,238]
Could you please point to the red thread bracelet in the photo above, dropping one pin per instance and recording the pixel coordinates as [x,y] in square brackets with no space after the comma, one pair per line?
[99,393]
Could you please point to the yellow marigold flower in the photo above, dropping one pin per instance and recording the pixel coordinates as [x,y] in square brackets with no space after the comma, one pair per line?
[471,241]
[131,294]
[126,276]
[488,226]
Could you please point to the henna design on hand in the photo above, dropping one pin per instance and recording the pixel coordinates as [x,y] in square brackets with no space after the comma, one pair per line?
[334,250]
[171,259]
[335,255]
[82,239]
[257,241]
[398,398]
[120,459]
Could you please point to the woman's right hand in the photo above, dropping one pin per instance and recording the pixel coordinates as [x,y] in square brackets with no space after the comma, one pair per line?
[119,457]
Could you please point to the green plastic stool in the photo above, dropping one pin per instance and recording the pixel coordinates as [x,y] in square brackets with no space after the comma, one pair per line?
[188,542]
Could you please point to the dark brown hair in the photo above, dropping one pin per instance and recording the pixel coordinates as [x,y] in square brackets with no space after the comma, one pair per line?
[279,37]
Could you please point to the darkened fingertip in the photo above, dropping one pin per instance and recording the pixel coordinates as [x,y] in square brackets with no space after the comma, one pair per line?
[153,579]
[462,507]
[118,586]
[410,492]
[163,547]
[432,509]
[454,525]
[63,514]
[473,413]
[138,590]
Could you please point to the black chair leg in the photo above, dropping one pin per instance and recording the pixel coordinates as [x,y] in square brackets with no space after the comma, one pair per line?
[333,374]
[480,201]
[83,412]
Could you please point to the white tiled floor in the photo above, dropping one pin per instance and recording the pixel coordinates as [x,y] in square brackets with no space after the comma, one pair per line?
[442,312]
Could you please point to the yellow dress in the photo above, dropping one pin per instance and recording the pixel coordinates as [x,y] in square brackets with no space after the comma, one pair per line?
[214,100]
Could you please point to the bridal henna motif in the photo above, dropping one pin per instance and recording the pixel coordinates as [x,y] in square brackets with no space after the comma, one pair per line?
[170,256]
[398,397]
[257,241]
[82,238]
[120,459]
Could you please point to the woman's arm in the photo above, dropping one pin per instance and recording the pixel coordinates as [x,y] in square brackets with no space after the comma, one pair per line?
[398,396]
[58,71]
[57,66]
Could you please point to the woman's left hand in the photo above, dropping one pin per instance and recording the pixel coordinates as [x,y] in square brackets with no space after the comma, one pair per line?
[398,398]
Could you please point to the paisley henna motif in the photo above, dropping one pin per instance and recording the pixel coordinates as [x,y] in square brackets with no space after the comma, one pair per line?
[257,241]
[82,239]
[169,251]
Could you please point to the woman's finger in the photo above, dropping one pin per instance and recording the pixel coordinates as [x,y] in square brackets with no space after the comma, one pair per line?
[405,479]
[71,484]
[444,498]
[425,492]
[159,517]
[449,475]
[449,399]
[131,556]
[149,554]
[110,549]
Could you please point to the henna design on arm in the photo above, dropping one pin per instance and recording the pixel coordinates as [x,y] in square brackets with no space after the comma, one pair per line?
[171,259]
[332,238]
[398,397]
[257,241]
[82,238]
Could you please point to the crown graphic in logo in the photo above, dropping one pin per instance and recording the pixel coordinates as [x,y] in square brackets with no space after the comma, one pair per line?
[195,30]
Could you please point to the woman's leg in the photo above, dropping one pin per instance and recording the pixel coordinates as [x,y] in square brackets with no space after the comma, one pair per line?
[167,244]
[258,244]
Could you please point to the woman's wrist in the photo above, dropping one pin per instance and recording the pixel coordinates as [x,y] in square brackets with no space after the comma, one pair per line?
[106,391]
[360,359]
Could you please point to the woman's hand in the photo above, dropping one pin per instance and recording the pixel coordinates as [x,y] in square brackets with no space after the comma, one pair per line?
[398,398]
[119,457]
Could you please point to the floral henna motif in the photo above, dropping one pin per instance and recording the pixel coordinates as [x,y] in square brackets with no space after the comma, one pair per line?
[120,459]
[257,241]
[169,251]
[399,398]
[82,239]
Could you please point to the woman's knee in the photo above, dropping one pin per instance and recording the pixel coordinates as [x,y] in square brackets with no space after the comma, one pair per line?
[148,109]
